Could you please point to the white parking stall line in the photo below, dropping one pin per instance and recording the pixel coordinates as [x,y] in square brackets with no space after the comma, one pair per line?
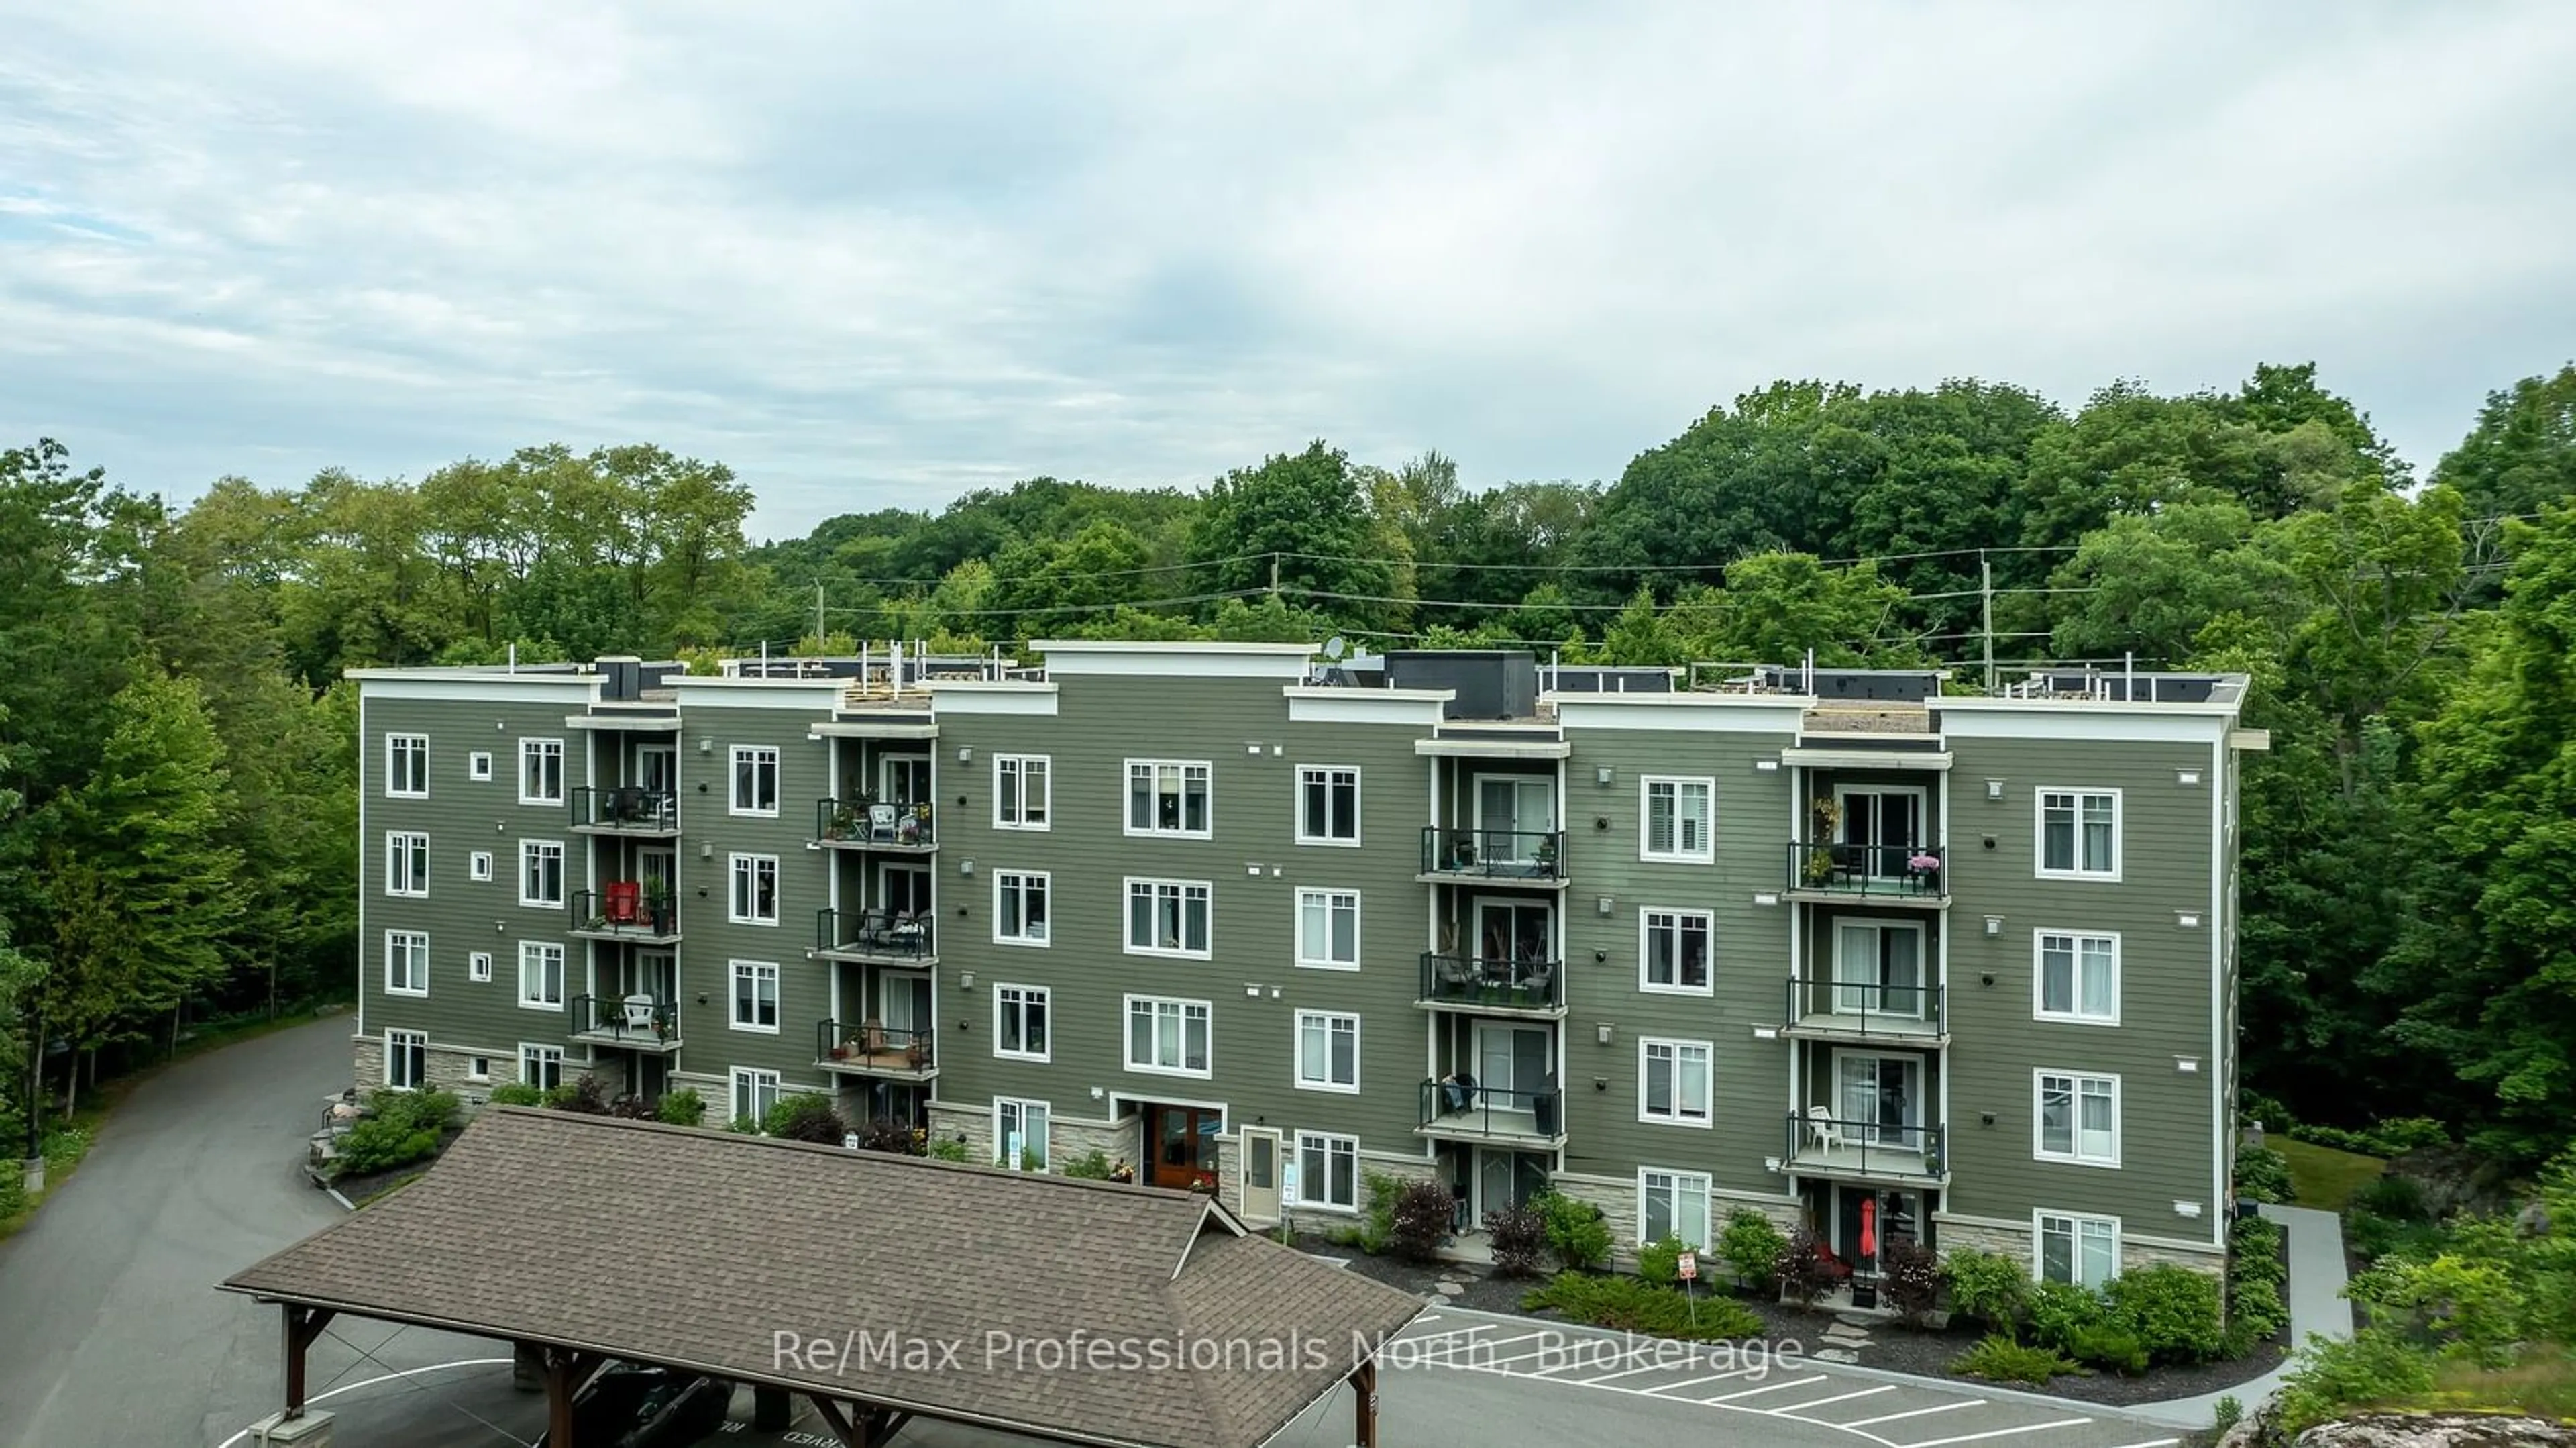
[1917,1413]
[1836,1398]
[1692,1383]
[1626,1373]
[1454,1334]
[1770,1388]
[2001,1432]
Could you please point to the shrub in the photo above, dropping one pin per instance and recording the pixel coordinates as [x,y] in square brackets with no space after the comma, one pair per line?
[2228,1411]
[1807,1267]
[1576,1232]
[2263,1175]
[2173,1310]
[413,1110]
[2257,1308]
[13,1190]
[404,1129]
[585,1095]
[806,1117]
[2059,1311]
[1377,1214]
[516,1093]
[2396,1198]
[897,1138]
[2402,1134]
[1661,1262]
[632,1108]
[1518,1237]
[1986,1286]
[1999,1359]
[1751,1247]
[2111,1348]
[1912,1274]
[2331,1374]
[1423,1217]
[684,1107]
[946,1148]
[1091,1166]
[2255,1272]
[2264,1111]
[1628,1304]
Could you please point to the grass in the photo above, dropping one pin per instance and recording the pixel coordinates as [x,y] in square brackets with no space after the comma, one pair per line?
[2543,1384]
[2326,1178]
[1630,1305]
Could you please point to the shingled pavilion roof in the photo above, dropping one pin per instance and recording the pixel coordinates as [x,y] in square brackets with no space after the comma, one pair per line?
[694,1249]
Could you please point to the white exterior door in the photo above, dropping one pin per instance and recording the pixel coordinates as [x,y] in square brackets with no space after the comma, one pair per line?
[1257,1197]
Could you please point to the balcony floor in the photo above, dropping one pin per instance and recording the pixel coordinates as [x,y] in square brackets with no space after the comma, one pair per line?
[632,1039]
[891,1064]
[887,846]
[1876,893]
[1508,1128]
[632,934]
[857,954]
[1476,1006]
[1855,1163]
[1872,1028]
[638,831]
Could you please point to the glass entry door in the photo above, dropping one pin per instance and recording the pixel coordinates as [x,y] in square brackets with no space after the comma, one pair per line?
[907,891]
[1512,1058]
[1880,1099]
[1882,827]
[1513,813]
[907,779]
[657,768]
[1878,969]
[1508,931]
[655,973]
[906,1002]
[1507,1179]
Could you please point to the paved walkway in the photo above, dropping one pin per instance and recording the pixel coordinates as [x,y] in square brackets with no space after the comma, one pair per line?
[2316,1303]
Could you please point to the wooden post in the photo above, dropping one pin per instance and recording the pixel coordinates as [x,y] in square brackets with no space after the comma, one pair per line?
[1364,1402]
[853,1429]
[301,1326]
[559,1391]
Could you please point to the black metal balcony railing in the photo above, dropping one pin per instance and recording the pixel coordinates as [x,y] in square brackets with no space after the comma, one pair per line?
[1493,854]
[1870,1009]
[874,1046]
[642,1018]
[875,934]
[1472,981]
[625,807]
[1463,1106]
[874,823]
[1821,1142]
[625,909]
[1876,871]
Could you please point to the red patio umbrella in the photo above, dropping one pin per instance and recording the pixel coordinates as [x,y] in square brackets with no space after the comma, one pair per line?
[1869,1226]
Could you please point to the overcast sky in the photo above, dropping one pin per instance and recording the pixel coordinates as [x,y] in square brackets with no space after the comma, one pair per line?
[875,254]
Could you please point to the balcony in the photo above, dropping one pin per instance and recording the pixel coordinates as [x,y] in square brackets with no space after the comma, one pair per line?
[1881,874]
[1503,856]
[637,1022]
[625,809]
[1831,1010]
[872,1048]
[870,824]
[1493,987]
[875,935]
[622,911]
[1840,1149]
[1464,1111]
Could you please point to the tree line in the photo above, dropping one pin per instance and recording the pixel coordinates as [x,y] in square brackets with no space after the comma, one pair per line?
[176,744]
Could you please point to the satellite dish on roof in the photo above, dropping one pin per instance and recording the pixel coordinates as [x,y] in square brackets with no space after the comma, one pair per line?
[1335,647]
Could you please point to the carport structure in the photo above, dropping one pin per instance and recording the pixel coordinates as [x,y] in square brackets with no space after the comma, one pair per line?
[882,1287]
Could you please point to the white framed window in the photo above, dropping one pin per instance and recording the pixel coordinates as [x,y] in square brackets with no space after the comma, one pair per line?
[754,898]
[2078,1119]
[1023,785]
[755,996]
[406,963]
[1020,1022]
[1328,804]
[755,780]
[478,766]
[1673,1081]
[541,1066]
[754,1092]
[478,966]
[1328,929]
[2079,834]
[2077,977]
[1020,1133]
[2066,1247]
[406,863]
[1676,820]
[1672,1204]
[541,873]
[1167,917]
[541,975]
[407,1060]
[1019,907]
[1168,797]
[1328,1051]
[478,1068]
[541,779]
[406,766]
[1673,951]
[1328,1171]
[478,865]
[1167,1036]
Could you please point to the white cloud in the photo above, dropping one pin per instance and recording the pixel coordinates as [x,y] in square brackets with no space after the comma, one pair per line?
[877,256]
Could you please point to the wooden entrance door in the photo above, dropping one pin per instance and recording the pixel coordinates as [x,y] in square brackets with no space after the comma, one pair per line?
[1183,1143]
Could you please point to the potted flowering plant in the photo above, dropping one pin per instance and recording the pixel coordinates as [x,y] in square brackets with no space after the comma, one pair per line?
[1204,1183]
[1925,866]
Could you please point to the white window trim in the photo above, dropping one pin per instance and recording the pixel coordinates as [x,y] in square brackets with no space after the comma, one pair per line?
[421,740]
[396,1039]
[419,957]
[1001,1140]
[2075,1221]
[563,875]
[420,885]
[1127,917]
[1035,942]
[1047,802]
[734,867]
[1297,928]
[1358,826]
[2039,1010]
[478,967]
[562,761]
[1678,1045]
[735,970]
[478,867]
[563,986]
[2038,1127]
[1707,1194]
[539,1048]
[2039,834]
[478,1068]
[760,1076]
[1127,1037]
[1329,1139]
[478,766]
[1297,1047]
[733,776]
[1707,852]
[1046,992]
[1645,931]
[1126,788]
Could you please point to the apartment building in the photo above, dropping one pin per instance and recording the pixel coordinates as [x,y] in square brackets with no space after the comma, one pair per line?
[1836,946]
